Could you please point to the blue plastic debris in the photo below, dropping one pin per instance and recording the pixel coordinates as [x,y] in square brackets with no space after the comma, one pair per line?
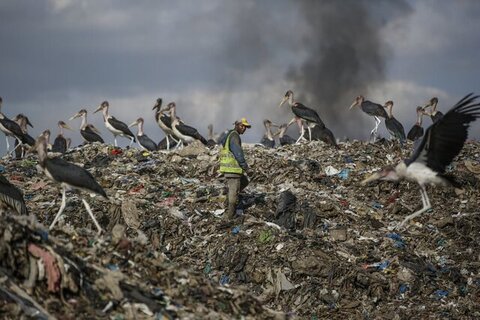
[344,174]
[235,230]
[441,294]
[403,288]
[224,279]
[399,243]
[112,266]
[43,234]
[378,265]
[377,205]
[2,169]
[157,292]
[325,227]
[383,265]
[348,159]
[28,196]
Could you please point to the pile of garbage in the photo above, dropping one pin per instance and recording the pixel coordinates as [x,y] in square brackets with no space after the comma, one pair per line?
[309,242]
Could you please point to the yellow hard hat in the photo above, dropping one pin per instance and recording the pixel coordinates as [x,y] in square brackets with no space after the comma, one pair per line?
[244,122]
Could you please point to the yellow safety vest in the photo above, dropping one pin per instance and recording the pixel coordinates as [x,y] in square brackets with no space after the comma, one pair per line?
[228,163]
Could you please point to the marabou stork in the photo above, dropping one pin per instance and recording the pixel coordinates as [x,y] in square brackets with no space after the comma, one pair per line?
[165,123]
[434,114]
[394,127]
[142,139]
[417,129]
[442,142]
[186,133]
[88,131]
[60,143]
[374,110]
[27,139]
[116,127]
[268,139]
[282,136]
[69,176]
[323,134]
[11,129]
[46,134]
[301,112]
[11,197]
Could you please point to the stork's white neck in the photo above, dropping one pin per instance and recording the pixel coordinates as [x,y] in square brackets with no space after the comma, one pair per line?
[140,129]
[389,110]
[105,113]
[419,118]
[84,122]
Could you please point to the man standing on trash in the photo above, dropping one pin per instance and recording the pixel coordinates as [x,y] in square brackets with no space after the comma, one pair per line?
[233,164]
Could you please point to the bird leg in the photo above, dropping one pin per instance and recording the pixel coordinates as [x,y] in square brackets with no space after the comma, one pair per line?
[374,130]
[87,206]
[426,206]
[19,143]
[168,142]
[300,126]
[131,141]
[8,144]
[115,141]
[62,207]
[309,133]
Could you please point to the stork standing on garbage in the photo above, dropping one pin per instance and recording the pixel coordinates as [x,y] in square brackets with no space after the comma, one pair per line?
[233,164]
[69,176]
[442,142]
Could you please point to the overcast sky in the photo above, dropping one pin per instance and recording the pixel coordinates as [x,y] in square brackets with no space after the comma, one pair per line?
[224,59]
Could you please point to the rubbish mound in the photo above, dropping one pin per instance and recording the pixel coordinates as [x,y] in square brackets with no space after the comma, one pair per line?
[309,240]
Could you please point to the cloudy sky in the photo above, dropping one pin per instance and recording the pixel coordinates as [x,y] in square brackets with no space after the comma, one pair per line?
[223,59]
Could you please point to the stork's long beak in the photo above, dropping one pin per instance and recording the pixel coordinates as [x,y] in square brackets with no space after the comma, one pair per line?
[353,105]
[373,177]
[283,101]
[428,104]
[74,117]
[133,124]
[67,127]
[28,122]
[98,109]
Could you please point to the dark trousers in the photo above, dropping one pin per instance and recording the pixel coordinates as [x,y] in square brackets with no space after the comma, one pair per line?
[235,184]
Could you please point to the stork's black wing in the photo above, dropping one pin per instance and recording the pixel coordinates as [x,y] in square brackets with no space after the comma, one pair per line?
[190,131]
[415,133]
[306,113]
[286,139]
[444,139]
[12,126]
[374,109]
[90,135]
[166,120]
[119,125]
[147,143]
[10,195]
[325,135]
[60,144]
[395,128]
[63,171]
[27,139]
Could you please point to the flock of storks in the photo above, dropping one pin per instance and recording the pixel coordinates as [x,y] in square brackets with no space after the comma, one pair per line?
[441,143]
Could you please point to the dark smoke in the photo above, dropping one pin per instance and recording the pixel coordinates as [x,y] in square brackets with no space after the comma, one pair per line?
[346,55]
